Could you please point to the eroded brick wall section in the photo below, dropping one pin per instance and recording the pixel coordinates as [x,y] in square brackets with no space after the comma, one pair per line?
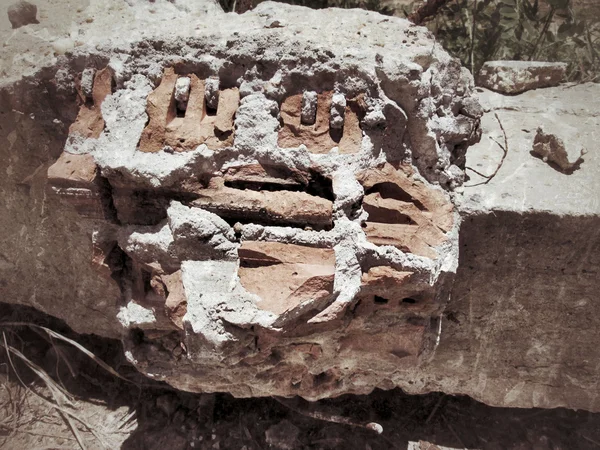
[316,131]
[285,242]
[170,127]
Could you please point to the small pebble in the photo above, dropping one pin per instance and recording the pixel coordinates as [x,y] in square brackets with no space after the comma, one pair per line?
[22,13]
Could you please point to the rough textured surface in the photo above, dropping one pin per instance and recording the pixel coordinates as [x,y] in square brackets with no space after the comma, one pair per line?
[514,77]
[284,276]
[159,259]
[190,210]
[178,119]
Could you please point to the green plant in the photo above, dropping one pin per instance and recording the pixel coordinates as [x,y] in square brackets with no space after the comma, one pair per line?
[481,30]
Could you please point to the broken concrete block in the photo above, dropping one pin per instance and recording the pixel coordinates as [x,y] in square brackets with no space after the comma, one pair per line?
[514,77]
[237,232]
[22,13]
[515,276]
[562,151]
[525,211]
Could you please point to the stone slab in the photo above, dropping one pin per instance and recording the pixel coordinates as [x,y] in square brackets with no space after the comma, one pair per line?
[521,328]
[515,77]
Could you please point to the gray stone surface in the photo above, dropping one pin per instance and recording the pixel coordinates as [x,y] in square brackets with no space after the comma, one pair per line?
[182,92]
[338,105]
[525,182]
[309,107]
[212,92]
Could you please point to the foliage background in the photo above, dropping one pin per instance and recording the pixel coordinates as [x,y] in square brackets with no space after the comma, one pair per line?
[477,31]
[482,30]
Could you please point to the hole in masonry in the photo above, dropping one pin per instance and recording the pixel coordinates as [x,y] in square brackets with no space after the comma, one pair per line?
[323,378]
[211,111]
[320,185]
[383,215]
[251,263]
[180,112]
[380,300]
[392,190]
[412,301]
[119,264]
[136,336]
[146,279]
[317,185]
[223,135]
[336,134]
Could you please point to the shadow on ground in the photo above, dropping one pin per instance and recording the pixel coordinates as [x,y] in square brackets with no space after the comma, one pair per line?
[170,419]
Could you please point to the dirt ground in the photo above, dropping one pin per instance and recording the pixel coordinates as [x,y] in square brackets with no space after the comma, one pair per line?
[105,412]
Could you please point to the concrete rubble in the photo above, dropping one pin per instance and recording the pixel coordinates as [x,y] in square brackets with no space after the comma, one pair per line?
[283,210]
[560,151]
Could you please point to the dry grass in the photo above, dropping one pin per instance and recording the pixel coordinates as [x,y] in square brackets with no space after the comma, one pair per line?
[16,405]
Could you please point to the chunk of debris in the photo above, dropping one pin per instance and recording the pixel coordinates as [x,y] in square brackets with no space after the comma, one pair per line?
[182,92]
[515,77]
[87,82]
[309,108]
[338,107]
[552,149]
[22,13]
[212,93]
